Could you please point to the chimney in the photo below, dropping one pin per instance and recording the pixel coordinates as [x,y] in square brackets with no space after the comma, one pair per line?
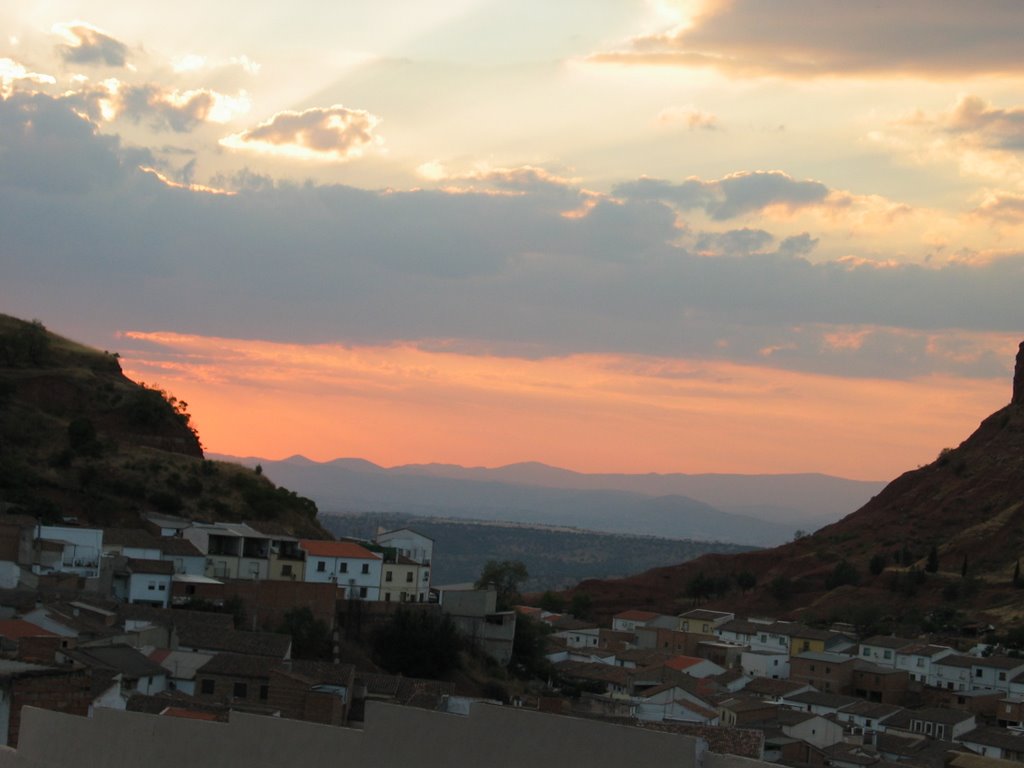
[1018,377]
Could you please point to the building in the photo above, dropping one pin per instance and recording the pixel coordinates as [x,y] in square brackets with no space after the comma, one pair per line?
[348,565]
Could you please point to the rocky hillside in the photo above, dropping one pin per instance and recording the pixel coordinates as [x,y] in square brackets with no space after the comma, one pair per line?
[939,544]
[80,440]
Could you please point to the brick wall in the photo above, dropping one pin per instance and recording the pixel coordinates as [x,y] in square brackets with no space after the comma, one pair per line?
[61,691]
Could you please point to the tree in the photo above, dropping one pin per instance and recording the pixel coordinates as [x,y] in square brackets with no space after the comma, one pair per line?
[417,644]
[844,573]
[746,581]
[506,576]
[933,560]
[549,601]
[877,564]
[581,605]
[311,638]
[781,588]
[528,648]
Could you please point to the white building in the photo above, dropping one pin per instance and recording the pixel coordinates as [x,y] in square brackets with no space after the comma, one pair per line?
[770,664]
[66,549]
[349,565]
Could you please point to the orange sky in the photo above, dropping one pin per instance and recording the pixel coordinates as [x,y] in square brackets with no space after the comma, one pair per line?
[401,404]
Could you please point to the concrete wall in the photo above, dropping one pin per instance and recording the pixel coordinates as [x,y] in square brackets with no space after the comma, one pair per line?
[493,736]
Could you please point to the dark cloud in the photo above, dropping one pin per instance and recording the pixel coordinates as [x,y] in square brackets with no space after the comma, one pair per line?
[811,38]
[165,111]
[732,196]
[90,46]
[91,242]
[994,128]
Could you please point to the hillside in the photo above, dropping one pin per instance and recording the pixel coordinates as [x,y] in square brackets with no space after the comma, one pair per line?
[554,557]
[631,504]
[79,440]
[873,565]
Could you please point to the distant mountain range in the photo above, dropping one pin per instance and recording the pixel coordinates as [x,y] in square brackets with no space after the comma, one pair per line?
[759,510]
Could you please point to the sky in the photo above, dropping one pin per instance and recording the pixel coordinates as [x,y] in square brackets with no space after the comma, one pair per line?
[754,236]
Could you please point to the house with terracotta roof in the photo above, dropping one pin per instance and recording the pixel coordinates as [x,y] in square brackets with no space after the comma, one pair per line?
[25,641]
[347,564]
[917,659]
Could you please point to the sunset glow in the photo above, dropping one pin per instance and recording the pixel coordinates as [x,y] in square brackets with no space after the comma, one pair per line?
[622,235]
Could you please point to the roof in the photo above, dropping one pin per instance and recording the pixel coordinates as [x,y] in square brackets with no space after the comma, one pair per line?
[871,709]
[181,665]
[172,546]
[766,686]
[929,714]
[158,567]
[635,615]
[702,614]
[956,660]
[347,549]
[239,665]
[886,641]
[122,659]
[14,629]
[211,638]
[923,649]
[821,699]
[740,627]
[679,663]
[999,662]
[826,656]
[995,737]
[137,538]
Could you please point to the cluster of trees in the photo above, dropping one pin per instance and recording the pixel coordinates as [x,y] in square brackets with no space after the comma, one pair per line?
[27,344]
[704,587]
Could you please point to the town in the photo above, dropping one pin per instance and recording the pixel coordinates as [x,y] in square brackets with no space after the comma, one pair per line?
[174,620]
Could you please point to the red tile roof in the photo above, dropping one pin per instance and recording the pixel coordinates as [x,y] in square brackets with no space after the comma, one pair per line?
[680,663]
[18,628]
[320,548]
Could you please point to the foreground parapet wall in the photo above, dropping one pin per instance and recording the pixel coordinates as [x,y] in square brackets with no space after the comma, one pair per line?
[490,735]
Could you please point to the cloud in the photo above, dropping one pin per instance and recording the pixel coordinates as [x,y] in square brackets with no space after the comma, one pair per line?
[688,117]
[473,270]
[813,38]
[12,72]
[88,45]
[988,126]
[1004,206]
[733,195]
[178,111]
[330,133]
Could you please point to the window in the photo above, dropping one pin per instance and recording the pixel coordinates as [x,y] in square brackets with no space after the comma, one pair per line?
[887,654]
[977,672]
[362,591]
[321,566]
[920,661]
[152,586]
[387,597]
[1002,675]
[162,587]
[812,667]
[264,692]
[206,686]
[240,690]
[866,651]
[782,641]
[409,577]
[366,567]
[286,570]
[342,567]
[388,575]
[426,575]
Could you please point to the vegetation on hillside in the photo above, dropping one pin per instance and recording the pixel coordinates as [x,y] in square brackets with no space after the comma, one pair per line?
[81,441]
[556,558]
